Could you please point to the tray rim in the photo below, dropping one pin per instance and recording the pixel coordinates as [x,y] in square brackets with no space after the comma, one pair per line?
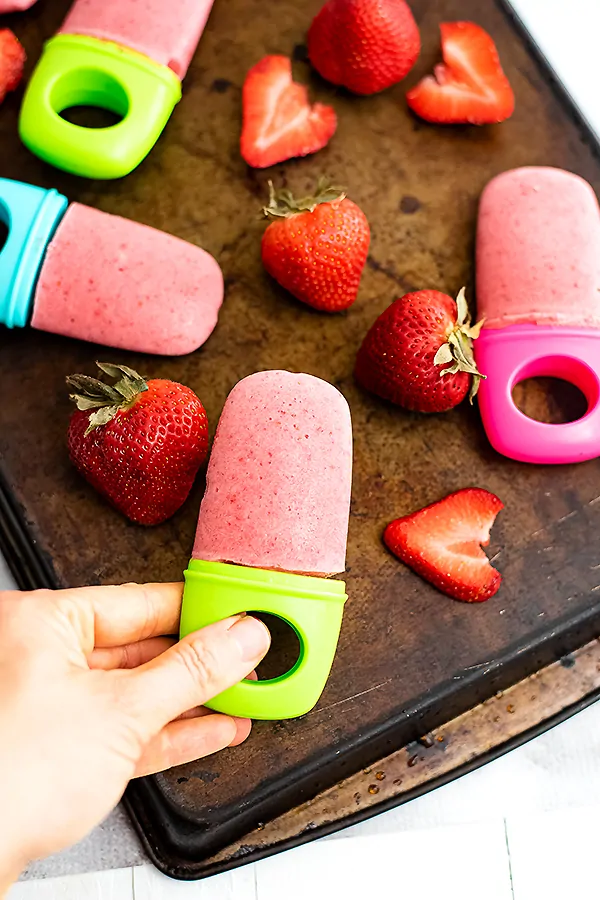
[193,871]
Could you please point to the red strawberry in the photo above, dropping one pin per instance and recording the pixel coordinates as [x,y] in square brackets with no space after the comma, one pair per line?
[364,45]
[402,354]
[442,544]
[12,62]
[139,443]
[469,86]
[317,247]
[278,120]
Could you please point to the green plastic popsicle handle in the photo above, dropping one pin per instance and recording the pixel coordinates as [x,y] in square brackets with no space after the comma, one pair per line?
[82,71]
[312,606]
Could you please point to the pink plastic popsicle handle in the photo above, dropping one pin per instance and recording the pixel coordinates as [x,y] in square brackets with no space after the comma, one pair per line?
[510,355]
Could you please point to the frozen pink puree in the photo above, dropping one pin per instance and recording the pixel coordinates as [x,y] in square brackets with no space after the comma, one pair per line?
[167,31]
[279,477]
[7,6]
[538,250]
[113,281]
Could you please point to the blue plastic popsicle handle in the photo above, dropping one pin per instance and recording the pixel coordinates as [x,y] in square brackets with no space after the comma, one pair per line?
[31,215]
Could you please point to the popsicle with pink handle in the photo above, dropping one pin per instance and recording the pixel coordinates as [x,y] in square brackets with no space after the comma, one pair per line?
[128,56]
[538,290]
[273,526]
[86,274]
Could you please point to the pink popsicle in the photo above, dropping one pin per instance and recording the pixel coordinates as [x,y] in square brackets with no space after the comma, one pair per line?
[113,281]
[7,6]
[279,477]
[538,250]
[167,31]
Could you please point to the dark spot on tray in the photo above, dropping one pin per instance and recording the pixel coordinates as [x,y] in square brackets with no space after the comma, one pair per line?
[220,85]
[409,205]
[182,780]
[568,661]
[300,53]
[244,850]
[206,777]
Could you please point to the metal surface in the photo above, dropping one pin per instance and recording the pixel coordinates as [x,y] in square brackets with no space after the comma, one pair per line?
[483,733]
[409,658]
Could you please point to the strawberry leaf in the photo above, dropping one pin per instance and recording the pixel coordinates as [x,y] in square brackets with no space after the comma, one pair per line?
[106,399]
[283,204]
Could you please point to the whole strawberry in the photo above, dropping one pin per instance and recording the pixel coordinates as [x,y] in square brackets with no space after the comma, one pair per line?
[419,353]
[316,248]
[364,45]
[140,444]
[442,543]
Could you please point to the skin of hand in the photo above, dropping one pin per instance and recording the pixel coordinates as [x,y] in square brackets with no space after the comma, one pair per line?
[93,693]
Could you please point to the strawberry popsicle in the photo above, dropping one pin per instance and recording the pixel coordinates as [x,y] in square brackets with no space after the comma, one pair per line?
[126,56]
[278,483]
[168,33]
[538,250]
[111,281]
[538,292]
[7,6]
[273,524]
[86,274]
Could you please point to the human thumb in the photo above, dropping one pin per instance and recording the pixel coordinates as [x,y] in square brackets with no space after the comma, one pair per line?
[194,670]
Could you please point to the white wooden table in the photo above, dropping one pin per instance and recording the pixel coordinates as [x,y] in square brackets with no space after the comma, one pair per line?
[524,827]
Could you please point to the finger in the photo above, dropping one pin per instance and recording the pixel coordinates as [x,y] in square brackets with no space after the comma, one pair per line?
[203,710]
[126,613]
[193,671]
[189,739]
[243,725]
[129,655]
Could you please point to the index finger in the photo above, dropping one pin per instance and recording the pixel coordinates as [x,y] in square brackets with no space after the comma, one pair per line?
[129,612]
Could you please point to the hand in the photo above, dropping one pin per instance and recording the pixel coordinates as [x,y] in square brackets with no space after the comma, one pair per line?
[92,694]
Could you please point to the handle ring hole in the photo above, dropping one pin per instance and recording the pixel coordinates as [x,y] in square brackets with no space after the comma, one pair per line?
[4,225]
[286,647]
[556,390]
[89,98]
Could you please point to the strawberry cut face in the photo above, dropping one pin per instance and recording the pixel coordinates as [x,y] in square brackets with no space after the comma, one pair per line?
[470,85]
[443,544]
[279,121]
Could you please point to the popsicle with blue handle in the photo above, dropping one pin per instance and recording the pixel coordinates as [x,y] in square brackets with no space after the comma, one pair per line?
[83,273]
[127,56]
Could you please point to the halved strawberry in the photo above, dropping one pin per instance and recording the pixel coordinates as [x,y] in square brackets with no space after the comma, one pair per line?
[442,543]
[278,119]
[469,86]
[12,62]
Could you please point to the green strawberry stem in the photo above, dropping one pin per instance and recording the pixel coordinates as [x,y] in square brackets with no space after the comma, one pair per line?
[458,350]
[107,400]
[283,204]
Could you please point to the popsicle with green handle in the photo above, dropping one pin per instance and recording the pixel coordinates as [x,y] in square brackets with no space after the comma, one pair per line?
[126,56]
[273,527]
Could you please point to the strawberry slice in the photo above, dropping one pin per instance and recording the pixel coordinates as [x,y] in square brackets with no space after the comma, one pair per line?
[278,119]
[469,86]
[442,543]
[12,62]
